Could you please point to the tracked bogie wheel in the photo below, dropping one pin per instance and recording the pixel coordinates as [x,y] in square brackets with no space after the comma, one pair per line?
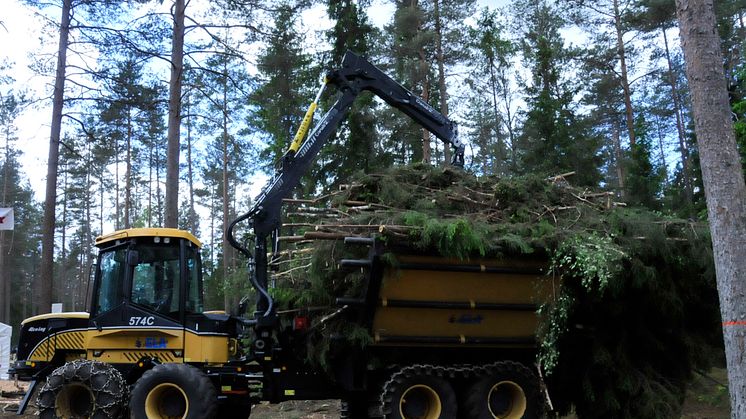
[418,393]
[506,390]
[169,391]
[83,389]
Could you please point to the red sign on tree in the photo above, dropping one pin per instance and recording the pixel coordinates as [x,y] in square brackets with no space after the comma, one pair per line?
[6,218]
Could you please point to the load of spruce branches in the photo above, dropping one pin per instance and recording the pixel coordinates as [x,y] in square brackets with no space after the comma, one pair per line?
[637,313]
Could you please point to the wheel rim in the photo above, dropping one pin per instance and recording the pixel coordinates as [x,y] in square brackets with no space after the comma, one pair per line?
[506,400]
[166,401]
[75,400]
[420,402]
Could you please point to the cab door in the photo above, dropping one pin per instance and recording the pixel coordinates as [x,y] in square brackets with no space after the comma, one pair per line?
[138,304]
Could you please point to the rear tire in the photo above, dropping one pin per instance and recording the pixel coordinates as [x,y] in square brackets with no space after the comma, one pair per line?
[508,391]
[173,390]
[419,396]
[83,389]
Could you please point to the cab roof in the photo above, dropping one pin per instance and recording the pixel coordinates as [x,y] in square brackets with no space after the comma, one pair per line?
[146,232]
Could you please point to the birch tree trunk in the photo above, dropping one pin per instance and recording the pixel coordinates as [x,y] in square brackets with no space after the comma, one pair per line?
[44,283]
[723,180]
[174,117]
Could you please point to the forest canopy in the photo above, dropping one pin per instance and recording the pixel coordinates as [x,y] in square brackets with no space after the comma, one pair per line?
[539,88]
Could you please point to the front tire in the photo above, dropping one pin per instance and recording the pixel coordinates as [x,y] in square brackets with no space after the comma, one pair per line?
[83,389]
[173,391]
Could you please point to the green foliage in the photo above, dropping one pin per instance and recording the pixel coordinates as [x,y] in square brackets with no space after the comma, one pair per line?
[644,179]
[555,138]
[593,258]
[459,238]
[286,80]
[637,309]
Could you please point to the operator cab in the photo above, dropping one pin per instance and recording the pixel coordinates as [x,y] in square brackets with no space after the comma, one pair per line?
[148,295]
[144,272]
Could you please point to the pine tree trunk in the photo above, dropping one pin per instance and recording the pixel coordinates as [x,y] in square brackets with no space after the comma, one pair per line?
[5,298]
[6,281]
[174,117]
[723,180]
[441,71]
[192,222]
[62,284]
[621,51]
[44,283]
[229,296]
[679,124]
[128,175]
[87,232]
[150,184]
[616,143]
[509,123]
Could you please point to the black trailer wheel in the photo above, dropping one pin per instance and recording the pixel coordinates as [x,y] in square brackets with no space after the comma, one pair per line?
[509,391]
[173,391]
[419,396]
[83,389]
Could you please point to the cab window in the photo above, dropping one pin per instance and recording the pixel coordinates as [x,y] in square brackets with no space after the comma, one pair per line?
[155,278]
[194,301]
[112,266]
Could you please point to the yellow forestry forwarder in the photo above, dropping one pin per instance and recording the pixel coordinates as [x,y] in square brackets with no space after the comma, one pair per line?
[450,339]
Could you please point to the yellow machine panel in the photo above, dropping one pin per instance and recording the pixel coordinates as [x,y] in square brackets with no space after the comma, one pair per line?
[438,322]
[439,301]
[68,340]
[128,345]
[206,348]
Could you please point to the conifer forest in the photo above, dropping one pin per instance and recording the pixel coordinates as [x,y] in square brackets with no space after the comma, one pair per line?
[583,145]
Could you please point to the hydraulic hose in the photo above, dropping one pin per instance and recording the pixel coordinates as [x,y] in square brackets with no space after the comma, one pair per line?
[252,273]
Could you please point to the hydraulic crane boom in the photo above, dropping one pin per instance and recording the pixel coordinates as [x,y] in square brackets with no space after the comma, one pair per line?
[356,75]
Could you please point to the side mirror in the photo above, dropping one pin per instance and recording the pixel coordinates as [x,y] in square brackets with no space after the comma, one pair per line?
[133,258]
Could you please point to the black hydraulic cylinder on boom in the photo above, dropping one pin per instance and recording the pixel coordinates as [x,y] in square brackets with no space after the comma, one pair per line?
[355,76]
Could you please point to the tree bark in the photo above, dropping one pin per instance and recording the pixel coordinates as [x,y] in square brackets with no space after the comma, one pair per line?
[616,143]
[44,283]
[679,124]
[425,80]
[723,181]
[128,174]
[5,298]
[190,171]
[62,284]
[629,113]
[174,116]
[441,71]
[230,296]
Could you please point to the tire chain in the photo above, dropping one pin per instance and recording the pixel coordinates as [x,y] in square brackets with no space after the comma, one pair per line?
[109,389]
[441,371]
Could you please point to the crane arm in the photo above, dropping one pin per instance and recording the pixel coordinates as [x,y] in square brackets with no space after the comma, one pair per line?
[355,75]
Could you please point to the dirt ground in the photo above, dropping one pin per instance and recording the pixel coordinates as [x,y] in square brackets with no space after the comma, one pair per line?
[707,399]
